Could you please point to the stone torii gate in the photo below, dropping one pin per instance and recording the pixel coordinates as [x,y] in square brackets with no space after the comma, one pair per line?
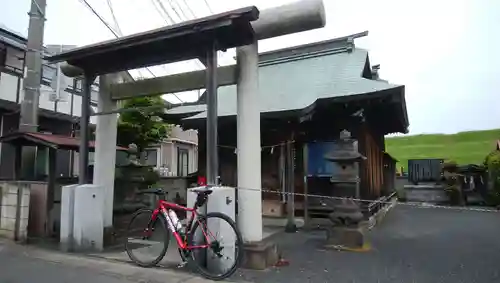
[241,28]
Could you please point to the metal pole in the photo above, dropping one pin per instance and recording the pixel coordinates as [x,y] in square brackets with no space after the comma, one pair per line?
[290,204]
[83,155]
[212,156]
[29,105]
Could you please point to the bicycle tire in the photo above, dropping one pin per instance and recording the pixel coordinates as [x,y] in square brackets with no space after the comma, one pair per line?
[239,258]
[166,239]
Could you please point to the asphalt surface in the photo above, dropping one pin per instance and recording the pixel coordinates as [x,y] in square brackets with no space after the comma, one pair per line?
[26,264]
[411,245]
[19,269]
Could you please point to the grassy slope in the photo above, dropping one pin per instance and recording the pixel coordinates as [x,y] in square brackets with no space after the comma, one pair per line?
[463,148]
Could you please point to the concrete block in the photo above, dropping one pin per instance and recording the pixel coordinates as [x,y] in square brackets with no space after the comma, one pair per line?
[8,211]
[7,234]
[260,255]
[8,224]
[9,198]
[25,198]
[24,212]
[273,208]
[22,233]
[345,237]
[191,197]
[222,200]
[425,193]
[67,217]
[10,189]
[88,218]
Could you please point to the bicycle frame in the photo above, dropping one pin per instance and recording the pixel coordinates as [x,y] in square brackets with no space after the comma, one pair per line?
[163,207]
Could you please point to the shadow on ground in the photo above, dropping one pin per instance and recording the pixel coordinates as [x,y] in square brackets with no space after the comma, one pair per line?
[413,245]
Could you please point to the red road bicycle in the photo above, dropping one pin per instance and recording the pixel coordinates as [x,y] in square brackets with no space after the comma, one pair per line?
[194,246]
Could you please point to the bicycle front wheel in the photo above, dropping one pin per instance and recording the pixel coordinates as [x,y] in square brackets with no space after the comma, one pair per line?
[147,241]
[224,253]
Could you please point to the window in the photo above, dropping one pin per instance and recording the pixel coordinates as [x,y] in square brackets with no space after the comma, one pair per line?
[182,162]
[48,73]
[42,161]
[78,84]
[151,157]
[3,56]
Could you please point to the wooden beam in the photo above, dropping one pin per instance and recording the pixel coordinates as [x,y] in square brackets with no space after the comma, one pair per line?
[171,84]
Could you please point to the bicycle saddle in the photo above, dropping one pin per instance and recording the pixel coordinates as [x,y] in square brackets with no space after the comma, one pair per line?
[156,191]
[203,191]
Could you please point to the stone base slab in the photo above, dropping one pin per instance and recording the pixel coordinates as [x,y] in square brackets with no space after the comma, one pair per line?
[348,237]
[260,255]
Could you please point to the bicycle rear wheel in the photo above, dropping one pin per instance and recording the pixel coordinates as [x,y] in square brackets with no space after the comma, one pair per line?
[142,244]
[211,262]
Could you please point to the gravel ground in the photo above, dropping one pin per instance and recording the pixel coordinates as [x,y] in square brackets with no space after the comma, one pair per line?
[411,245]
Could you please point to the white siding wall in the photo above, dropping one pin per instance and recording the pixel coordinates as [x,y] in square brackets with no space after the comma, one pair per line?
[8,87]
[68,103]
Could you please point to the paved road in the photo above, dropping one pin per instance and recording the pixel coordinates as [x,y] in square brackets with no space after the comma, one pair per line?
[412,245]
[23,264]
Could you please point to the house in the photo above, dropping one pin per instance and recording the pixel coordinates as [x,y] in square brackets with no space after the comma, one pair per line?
[60,112]
[310,94]
[177,155]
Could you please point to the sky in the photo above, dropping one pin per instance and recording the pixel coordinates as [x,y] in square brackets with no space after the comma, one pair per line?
[445,52]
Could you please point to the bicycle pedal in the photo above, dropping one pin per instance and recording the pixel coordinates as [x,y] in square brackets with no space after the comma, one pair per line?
[182,264]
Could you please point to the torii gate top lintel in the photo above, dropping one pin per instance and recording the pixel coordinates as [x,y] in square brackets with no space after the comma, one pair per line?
[178,42]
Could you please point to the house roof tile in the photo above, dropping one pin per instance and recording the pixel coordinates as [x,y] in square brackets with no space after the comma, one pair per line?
[298,78]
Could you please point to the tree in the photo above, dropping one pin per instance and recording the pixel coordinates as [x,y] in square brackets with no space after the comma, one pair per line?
[143,127]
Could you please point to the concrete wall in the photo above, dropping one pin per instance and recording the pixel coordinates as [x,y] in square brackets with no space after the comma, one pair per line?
[14,210]
[429,193]
[400,184]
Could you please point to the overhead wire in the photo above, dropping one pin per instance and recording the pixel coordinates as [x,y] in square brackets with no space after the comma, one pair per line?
[208,6]
[189,8]
[165,11]
[171,4]
[162,13]
[117,26]
[116,34]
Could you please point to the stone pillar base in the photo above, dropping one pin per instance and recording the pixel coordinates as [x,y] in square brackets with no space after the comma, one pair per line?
[346,237]
[260,255]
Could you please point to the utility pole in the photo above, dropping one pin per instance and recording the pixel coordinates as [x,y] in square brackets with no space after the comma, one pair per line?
[32,80]
[28,121]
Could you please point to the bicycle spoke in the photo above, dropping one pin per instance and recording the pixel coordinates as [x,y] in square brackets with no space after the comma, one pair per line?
[223,255]
[147,241]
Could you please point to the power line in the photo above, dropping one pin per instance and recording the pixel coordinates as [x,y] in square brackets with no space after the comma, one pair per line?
[208,6]
[162,7]
[161,14]
[189,8]
[173,9]
[117,26]
[99,17]
[180,8]
[86,3]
